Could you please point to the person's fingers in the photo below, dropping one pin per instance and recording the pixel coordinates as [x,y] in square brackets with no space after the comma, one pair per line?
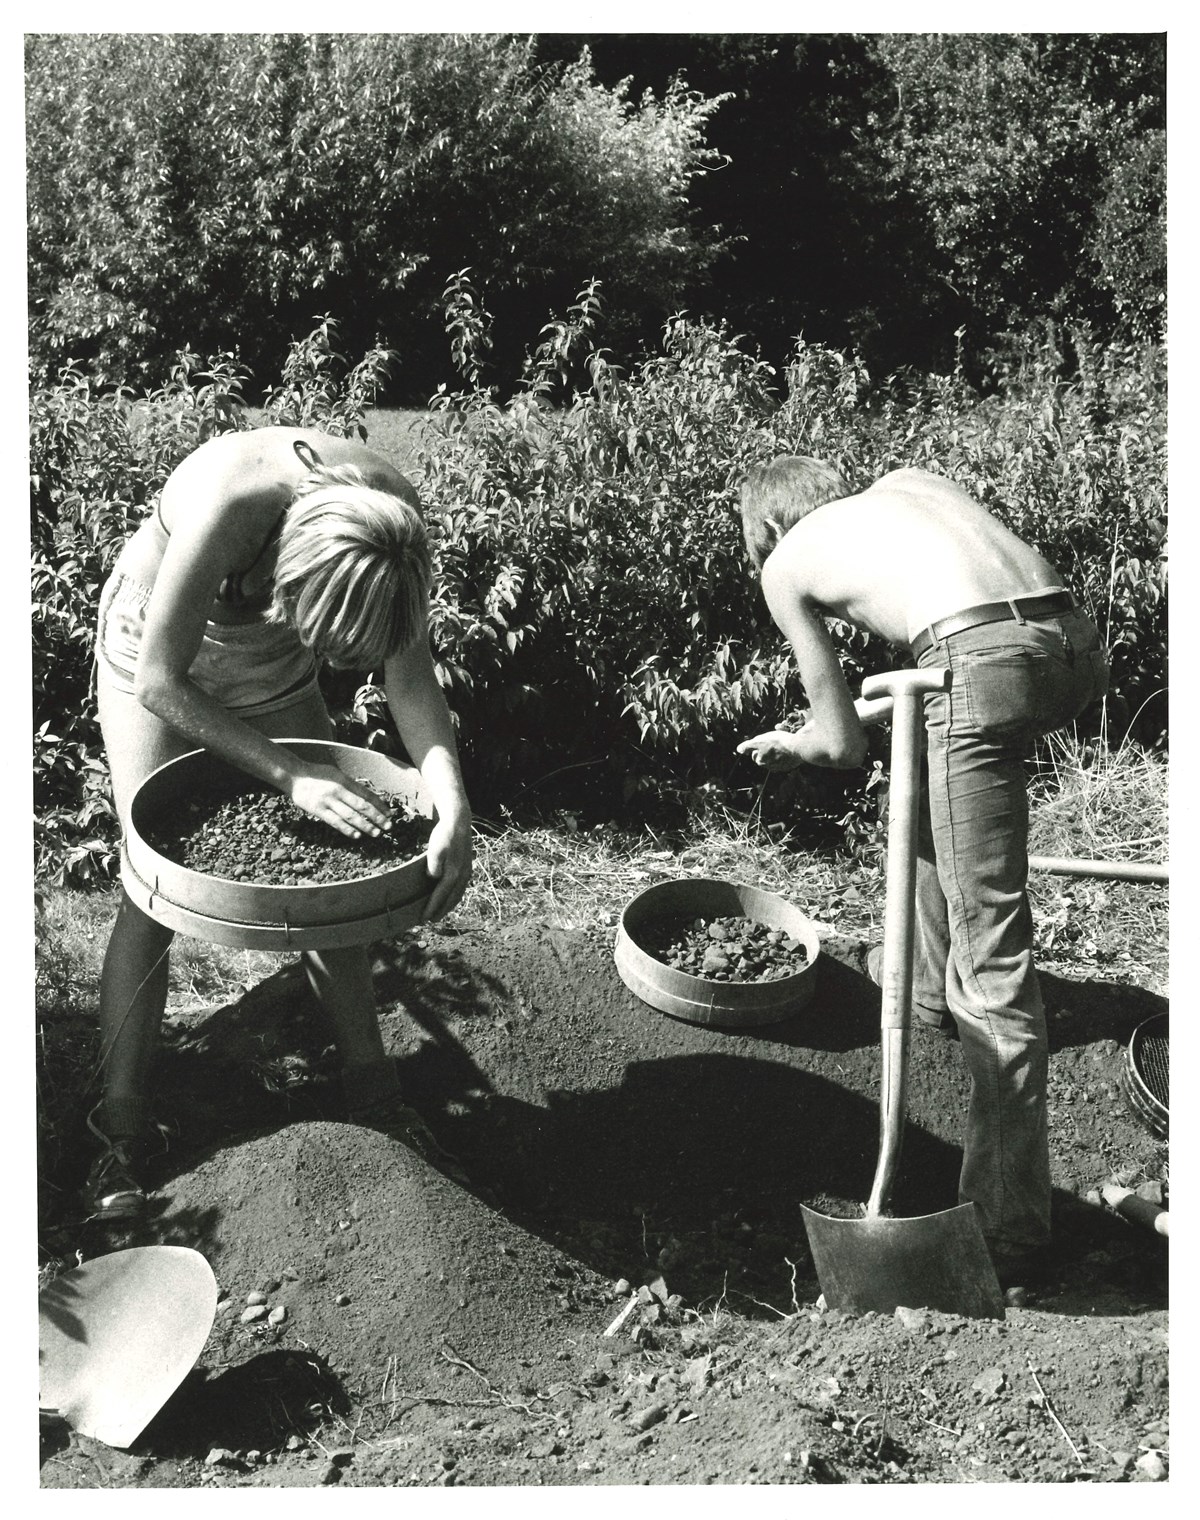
[343,822]
[445,895]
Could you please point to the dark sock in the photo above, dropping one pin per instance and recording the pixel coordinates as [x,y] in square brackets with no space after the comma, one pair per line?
[124,1118]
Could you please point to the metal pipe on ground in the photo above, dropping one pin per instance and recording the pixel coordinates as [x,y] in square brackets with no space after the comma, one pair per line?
[1106,870]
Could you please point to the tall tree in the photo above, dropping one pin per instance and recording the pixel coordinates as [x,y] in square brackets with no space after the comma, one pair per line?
[1022,149]
[221,189]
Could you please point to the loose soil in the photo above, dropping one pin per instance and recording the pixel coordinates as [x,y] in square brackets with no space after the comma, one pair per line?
[261,837]
[731,949]
[439,1334]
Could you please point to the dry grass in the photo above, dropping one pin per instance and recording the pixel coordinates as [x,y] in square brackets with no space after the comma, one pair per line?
[582,878]
[1097,803]
[1107,805]
[1104,806]
[1093,802]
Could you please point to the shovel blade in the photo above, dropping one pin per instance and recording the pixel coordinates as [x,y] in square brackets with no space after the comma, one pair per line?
[938,1261]
[118,1335]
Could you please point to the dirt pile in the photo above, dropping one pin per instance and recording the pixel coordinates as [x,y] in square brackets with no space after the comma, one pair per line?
[380,1262]
[436,1334]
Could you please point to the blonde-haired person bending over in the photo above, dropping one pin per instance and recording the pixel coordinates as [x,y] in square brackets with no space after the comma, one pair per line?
[265,550]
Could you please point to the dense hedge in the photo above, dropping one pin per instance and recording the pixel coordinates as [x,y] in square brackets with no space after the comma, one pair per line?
[593,600]
[185,186]
[876,191]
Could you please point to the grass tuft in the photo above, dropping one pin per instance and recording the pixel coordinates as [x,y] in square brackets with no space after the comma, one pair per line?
[1089,801]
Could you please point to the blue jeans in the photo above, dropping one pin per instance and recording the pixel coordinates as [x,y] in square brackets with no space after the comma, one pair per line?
[973,956]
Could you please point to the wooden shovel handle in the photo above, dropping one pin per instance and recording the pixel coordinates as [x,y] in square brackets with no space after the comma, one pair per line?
[907,689]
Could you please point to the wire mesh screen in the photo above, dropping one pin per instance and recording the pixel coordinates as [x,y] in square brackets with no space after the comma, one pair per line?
[1152,1060]
[1149,1072]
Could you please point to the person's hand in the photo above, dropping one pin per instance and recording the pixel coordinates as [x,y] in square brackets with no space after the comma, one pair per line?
[329,794]
[448,860]
[774,751]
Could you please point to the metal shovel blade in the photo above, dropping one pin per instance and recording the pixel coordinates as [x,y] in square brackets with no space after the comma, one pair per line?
[937,1261]
[119,1334]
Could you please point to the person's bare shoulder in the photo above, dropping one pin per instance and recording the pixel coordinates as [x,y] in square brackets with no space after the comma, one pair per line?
[379,473]
[907,477]
[921,487]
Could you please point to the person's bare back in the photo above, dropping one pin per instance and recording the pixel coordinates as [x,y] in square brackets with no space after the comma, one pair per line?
[912,548]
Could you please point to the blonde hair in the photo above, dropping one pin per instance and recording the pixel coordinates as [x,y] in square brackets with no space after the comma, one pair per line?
[353,570]
[775,496]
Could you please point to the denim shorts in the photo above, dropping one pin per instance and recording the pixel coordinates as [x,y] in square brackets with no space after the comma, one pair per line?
[250,668]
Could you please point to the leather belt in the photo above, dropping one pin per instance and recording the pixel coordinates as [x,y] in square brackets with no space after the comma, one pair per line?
[1018,609]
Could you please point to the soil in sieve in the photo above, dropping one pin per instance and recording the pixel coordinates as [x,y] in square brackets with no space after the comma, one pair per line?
[259,836]
[734,948]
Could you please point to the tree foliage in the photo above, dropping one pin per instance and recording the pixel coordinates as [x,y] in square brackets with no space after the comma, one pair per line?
[213,188]
[911,196]
[592,597]
[908,196]
[1019,148]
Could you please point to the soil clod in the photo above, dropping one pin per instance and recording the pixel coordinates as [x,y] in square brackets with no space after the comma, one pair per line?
[726,949]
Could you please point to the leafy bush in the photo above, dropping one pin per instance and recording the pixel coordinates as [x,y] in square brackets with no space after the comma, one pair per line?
[1038,159]
[1070,451]
[193,185]
[593,605]
[593,597]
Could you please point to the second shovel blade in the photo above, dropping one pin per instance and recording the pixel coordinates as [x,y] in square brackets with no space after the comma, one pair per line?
[119,1334]
[937,1261]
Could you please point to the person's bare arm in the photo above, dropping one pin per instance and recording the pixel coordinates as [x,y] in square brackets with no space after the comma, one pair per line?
[833,733]
[423,721]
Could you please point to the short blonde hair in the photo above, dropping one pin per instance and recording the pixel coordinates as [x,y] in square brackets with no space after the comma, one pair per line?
[776,496]
[353,571]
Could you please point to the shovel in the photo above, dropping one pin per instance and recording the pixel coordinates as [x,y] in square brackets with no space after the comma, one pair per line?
[119,1334]
[877,1263]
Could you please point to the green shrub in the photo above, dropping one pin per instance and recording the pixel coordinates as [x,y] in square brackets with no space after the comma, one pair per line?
[1070,452]
[593,602]
[593,596]
[190,185]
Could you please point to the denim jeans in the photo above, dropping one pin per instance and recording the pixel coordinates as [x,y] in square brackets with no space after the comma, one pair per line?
[973,956]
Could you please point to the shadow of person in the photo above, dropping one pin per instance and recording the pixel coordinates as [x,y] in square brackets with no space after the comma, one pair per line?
[568,1100]
[266,1059]
[1086,1012]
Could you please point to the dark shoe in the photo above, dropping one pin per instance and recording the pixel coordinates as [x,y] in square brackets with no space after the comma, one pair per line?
[115,1187]
[398,1120]
[945,1027]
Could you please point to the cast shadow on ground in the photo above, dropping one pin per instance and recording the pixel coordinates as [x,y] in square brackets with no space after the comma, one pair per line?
[682,1139]
[1085,1012]
[256,1404]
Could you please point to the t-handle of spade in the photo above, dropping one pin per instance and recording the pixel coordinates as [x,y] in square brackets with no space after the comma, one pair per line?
[907,690]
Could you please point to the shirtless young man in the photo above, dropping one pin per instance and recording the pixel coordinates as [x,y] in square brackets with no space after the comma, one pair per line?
[917,562]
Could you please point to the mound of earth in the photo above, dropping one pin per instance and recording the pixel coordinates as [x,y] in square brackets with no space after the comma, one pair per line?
[622,1163]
